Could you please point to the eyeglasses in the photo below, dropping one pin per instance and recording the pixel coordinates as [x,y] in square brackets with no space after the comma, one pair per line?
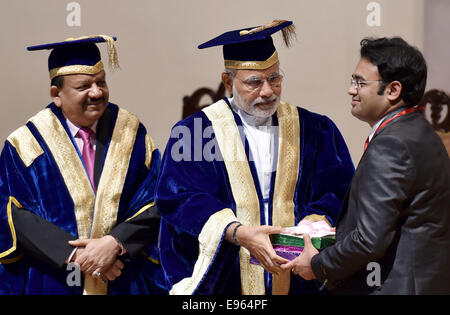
[358,83]
[254,83]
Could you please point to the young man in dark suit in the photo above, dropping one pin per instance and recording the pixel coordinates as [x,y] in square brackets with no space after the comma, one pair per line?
[393,232]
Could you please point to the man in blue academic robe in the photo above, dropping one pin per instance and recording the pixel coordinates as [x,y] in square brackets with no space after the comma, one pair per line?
[242,168]
[77,212]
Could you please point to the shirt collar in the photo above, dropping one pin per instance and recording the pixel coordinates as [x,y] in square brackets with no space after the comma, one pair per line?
[389,115]
[74,128]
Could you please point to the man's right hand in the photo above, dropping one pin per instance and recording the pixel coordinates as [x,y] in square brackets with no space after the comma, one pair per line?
[98,255]
[111,273]
[256,240]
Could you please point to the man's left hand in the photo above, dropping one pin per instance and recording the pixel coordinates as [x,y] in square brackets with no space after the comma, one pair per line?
[98,255]
[302,264]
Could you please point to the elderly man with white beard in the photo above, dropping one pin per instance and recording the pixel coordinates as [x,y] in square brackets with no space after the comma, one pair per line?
[265,165]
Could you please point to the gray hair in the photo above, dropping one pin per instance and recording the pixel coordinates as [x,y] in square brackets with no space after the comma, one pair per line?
[231,72]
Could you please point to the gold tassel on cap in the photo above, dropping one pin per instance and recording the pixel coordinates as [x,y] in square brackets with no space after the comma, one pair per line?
[288,32]
[85,69]
[112,50]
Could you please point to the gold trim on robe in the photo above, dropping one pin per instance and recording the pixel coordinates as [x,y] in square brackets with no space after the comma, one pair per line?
[252,65]
[141,210]
[209,241]
[76,69]
[26,145]
[13,231]
[70,166]
[10,260]
[114,172]
[111,185]
[242,187]
[286,180]
[156,262]
[71,169]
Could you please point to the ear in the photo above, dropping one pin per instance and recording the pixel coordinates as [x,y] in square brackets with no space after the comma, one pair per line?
[54,94]
[227,81]
[394,91]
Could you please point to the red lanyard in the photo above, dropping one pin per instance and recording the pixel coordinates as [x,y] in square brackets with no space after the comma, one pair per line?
[402,113]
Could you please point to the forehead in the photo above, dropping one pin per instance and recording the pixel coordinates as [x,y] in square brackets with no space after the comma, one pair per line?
[245,73]
[72,78]
[366,70]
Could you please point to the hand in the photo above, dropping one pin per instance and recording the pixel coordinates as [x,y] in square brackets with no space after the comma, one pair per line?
[256,240]
[98,255]
[302,264]
[112,273]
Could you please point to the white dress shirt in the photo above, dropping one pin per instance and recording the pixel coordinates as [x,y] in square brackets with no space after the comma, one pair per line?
[262,138]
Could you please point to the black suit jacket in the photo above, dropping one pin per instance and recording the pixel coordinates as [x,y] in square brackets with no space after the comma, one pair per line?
[397,214]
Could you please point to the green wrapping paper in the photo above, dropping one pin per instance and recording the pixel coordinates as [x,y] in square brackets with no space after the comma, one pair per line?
[290,246]
[297,240]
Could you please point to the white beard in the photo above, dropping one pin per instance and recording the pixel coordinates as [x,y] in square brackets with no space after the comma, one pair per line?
[253,110]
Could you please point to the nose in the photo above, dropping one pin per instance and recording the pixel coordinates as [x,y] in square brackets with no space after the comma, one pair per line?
[352,90]
[266,90]
[95,91]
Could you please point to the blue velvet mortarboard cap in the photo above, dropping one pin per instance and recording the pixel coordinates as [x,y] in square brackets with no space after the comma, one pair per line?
[250,48]
[79,55]
[75,54]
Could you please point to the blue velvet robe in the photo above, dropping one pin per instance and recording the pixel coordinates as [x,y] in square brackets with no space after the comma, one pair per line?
[40,178]
[192,191]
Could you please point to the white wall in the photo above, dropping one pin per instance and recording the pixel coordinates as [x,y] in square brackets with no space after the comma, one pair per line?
[157,42]
[437,43]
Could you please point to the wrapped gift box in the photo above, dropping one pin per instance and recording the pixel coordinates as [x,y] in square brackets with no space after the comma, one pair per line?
[319,241]
[290,246]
